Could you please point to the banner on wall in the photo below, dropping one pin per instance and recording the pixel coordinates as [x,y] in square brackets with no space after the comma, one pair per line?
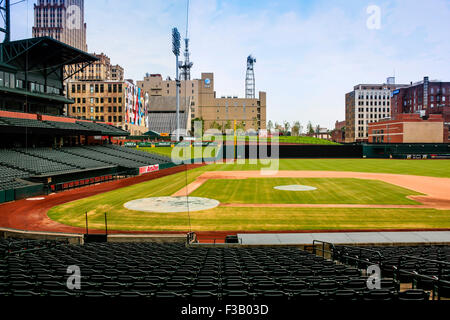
[148,169]
[136,106]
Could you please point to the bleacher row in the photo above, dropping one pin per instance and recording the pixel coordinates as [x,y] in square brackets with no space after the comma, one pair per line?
[21,163]
[81,126]
[430,261]
[164,272]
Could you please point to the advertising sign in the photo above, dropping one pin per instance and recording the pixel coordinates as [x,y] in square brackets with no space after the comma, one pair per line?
[148,169]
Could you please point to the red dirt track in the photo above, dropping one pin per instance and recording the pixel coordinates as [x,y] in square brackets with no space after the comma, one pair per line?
[32,215]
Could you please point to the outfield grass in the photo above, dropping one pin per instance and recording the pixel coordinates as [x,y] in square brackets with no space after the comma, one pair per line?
[329,191]
[432,168]
[248,219]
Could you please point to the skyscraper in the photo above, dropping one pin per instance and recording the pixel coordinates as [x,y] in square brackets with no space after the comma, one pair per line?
[62,20]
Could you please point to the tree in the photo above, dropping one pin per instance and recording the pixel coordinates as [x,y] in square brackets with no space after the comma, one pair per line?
[240,125]
[270,126]
[286,126]
[216,125]
[309,129]
[296,128]
[227,125]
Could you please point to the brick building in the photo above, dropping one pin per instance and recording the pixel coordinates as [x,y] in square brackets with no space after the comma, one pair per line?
[338,134]
[119,103]
[409,128]
[215,112]
[424,97]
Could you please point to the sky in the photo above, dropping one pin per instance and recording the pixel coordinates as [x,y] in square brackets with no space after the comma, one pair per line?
[309,53]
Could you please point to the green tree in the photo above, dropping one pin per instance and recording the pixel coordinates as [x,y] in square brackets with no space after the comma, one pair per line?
[309,129]
[270,126]
[296,128]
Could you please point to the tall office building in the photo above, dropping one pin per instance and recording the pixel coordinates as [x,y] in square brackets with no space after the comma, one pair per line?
[62,20]
[367,103]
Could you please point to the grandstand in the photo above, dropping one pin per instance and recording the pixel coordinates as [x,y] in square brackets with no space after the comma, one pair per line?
[70,163]
[41,149]
[159,272]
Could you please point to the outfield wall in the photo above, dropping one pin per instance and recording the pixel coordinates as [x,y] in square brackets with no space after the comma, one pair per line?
[386,151]
[407,150]
[296,151]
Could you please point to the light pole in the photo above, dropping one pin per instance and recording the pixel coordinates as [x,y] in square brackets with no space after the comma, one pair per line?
[176,52]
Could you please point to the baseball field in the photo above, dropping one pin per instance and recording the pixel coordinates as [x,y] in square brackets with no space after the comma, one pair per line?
[346,194]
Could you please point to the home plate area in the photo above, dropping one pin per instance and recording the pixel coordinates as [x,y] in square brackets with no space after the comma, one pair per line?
[171,204]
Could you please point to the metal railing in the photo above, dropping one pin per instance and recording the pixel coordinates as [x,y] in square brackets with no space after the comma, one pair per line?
[348,257]
[398,270]
[436,281]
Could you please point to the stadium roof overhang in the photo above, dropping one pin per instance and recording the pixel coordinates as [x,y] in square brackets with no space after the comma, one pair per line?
[35,95]
[46,55]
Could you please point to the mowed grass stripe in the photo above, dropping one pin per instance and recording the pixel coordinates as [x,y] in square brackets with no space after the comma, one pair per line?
[329,191]
[269,219]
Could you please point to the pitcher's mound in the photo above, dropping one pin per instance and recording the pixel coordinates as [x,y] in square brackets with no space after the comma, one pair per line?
[171,204]
[295,187]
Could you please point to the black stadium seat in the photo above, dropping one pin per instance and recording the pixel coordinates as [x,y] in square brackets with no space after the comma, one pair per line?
[171,272]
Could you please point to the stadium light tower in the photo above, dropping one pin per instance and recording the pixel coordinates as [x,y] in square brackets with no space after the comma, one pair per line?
[5,27]
[176,52]
[250,78]
[187,65]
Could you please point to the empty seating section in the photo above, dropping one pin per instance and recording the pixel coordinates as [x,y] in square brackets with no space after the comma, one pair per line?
[21,163]
[153,156]
[172,271]
[138,156]
[18,122]
[62,157]
[7,173]
[35,165]
[8,178]
[67,125]
[433,262]
[96,154]
[103,128]
[81,126]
